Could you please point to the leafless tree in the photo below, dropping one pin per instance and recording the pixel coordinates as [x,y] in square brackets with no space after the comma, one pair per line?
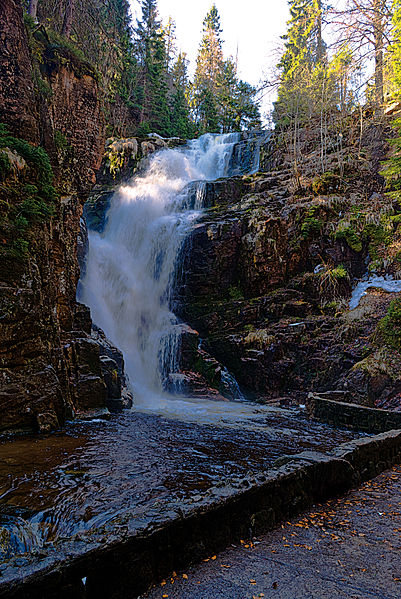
[68,18]
[33,8]
[366,26]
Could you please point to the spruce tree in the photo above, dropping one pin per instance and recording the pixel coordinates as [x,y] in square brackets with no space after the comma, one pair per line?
[181,124]
[222,103]
[209,73]
[152,82]
[304,52]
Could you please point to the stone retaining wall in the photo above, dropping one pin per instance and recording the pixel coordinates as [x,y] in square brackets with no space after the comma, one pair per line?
[353,416]
[128,562]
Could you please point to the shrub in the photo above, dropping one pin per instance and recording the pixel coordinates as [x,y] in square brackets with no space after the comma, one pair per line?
[235,293]
[328,182]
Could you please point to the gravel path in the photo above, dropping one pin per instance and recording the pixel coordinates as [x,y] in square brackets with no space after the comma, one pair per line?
[347,548]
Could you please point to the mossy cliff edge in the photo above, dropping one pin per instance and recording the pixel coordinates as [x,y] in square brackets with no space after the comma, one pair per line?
[51,144]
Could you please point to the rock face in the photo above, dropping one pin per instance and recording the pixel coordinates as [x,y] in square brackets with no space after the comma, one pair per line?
[18,105]
[50,367]
[268,273]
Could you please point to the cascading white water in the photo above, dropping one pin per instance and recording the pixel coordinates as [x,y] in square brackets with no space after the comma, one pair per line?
[130,265]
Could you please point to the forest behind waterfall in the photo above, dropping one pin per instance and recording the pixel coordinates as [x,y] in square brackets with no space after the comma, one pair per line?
[143,72]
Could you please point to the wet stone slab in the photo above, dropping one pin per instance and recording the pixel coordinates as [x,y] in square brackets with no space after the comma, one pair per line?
[81,484]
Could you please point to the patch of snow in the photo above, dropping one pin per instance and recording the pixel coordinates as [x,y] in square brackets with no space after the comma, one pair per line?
[387,283]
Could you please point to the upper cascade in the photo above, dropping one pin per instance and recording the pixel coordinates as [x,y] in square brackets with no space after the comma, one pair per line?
[130,267]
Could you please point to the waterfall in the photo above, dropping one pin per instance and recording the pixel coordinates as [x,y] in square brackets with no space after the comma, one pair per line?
[130,266]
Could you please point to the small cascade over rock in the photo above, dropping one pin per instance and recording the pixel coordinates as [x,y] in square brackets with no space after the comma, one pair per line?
[131,265]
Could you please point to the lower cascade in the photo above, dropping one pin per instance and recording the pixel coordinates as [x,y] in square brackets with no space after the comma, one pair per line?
[131,265]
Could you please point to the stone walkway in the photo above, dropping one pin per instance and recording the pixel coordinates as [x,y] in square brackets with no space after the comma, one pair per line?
[347,548]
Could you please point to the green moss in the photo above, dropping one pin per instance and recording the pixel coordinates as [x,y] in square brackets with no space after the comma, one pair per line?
[62,43]
[60,141]
[326,183]
[349,235]
[378,235]
[390,325]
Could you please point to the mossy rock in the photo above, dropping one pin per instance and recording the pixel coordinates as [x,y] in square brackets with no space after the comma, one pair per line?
[327,183]
[349,235]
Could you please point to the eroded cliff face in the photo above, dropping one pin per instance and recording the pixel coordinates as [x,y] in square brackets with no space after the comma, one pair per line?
[269,271]
[50,367]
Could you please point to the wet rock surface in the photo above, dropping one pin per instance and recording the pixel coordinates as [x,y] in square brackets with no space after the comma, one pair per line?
[344,548]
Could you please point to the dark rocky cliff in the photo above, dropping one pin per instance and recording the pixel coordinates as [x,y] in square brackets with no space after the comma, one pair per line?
[49,365]
[270,267]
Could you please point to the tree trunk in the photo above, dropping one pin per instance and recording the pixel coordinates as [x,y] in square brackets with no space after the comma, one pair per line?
[68,18]
[33,8]
[320,45]
[378,40]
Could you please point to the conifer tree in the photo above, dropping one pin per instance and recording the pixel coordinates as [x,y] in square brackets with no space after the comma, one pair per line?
[304,52]
[152,92]
[181,124]
[209,73]
[222,103]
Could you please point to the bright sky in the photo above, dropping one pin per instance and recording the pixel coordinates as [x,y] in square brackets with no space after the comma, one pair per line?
[255,25]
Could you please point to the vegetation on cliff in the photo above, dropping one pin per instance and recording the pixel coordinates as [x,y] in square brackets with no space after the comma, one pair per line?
[143,78]
[27,194]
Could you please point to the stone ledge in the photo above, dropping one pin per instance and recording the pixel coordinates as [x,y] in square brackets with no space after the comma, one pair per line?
[352,416]
[126,562]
